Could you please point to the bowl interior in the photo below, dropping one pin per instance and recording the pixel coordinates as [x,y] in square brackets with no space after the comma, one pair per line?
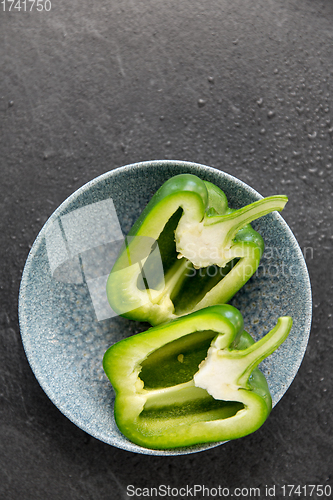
[67,325]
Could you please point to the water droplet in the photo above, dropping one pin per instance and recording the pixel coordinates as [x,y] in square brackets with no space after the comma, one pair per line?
[211,79]
[271,113]
[10,103]
[201,103]
[262,131]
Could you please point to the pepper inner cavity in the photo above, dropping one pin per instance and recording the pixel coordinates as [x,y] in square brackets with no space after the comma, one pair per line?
[192,284]
[197,410]
[173,366]
[176,362]
[167,254]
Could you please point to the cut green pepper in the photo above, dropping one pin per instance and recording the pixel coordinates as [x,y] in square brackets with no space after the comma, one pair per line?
[188,250]
[193,380]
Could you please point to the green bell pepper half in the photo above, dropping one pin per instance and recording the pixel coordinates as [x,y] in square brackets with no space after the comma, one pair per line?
[187,250]
[193,380]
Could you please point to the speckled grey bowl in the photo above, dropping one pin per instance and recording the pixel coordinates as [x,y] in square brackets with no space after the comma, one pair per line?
[66,330]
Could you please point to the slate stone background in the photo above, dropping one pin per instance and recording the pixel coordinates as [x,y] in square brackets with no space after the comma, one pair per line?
[242,86]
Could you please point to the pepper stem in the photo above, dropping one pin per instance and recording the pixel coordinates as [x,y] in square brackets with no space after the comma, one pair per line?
[237,219]
[225,371]
[209,241]
[257,352]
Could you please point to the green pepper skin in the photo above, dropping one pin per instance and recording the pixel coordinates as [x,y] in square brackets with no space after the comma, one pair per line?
[158,377]
[155,283]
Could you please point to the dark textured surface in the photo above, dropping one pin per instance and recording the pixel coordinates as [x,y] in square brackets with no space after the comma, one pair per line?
[242,86]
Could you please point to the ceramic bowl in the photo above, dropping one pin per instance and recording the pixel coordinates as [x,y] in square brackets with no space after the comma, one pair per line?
[67,325]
